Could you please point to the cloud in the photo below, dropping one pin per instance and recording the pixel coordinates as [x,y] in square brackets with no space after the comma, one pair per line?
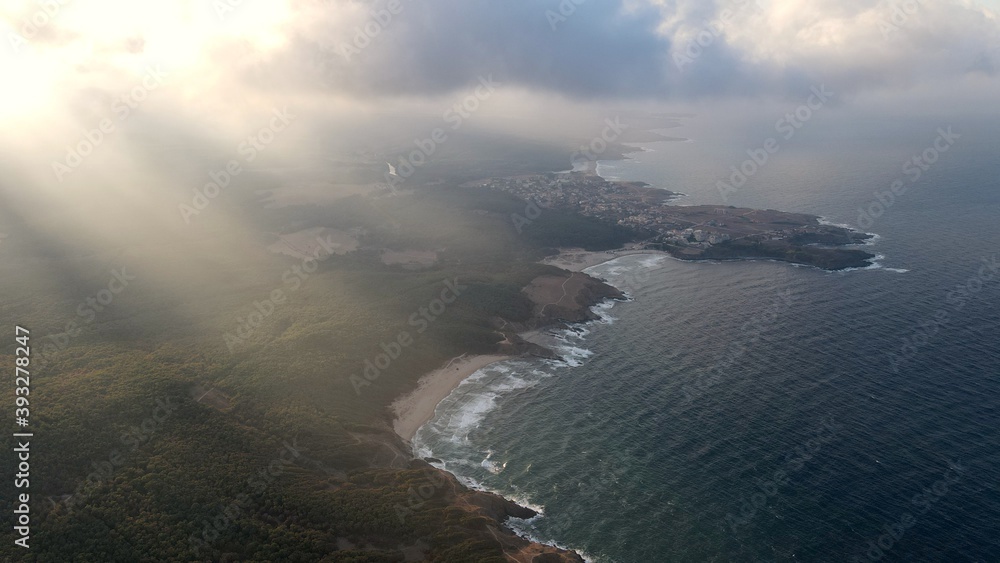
[368,51]
[364,76]
[346,63]
[596,49]
[591,49]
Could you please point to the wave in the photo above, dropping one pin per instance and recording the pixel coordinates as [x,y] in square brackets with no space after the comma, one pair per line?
[603,170]
[578,166]
[525,528]
[829,223]
[873,237]
[447,436]
[464,409]
[876,264]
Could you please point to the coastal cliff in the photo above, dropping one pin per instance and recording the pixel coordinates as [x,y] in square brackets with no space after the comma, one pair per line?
[557,298]
[491,511]
[564,297]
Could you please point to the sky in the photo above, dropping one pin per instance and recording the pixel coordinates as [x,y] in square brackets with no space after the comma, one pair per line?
[199,75]
[650,49]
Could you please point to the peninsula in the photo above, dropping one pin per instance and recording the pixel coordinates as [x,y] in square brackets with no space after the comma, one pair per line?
[702,232]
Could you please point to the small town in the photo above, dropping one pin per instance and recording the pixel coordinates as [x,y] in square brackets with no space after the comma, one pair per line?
[687,230]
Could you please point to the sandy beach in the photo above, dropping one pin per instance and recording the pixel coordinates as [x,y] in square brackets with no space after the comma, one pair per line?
[577,259]
[415,409]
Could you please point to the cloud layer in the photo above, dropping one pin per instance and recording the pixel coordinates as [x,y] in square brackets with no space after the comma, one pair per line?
[583,49]
[116,111]
[668,49]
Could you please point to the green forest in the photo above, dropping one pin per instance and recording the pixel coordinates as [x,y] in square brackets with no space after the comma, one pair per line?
[156,438]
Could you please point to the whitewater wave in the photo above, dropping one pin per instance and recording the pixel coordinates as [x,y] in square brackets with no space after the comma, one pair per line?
[525,528]
[606,171]
[825,221]
[447,436]
[873,239]
[464,409]
[876,264]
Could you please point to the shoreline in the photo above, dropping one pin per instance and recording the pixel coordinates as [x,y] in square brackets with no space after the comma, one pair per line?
[419,406]
[416,408]
[578,260]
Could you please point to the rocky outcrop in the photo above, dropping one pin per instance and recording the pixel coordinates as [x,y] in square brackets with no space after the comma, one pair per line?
[515,345]
[498,509]
[559,298]
[567,297]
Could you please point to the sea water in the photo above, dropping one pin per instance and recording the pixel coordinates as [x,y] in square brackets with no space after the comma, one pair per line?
[757,411]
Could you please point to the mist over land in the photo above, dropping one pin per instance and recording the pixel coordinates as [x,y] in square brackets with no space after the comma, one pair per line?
[242,233]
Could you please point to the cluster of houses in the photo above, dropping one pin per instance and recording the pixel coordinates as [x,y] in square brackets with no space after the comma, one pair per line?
[595,196]
[697,237]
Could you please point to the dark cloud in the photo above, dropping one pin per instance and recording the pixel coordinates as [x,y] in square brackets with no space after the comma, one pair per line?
[630,48]
[597,50]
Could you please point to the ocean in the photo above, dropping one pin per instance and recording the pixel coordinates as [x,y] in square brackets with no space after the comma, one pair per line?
[758,411]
